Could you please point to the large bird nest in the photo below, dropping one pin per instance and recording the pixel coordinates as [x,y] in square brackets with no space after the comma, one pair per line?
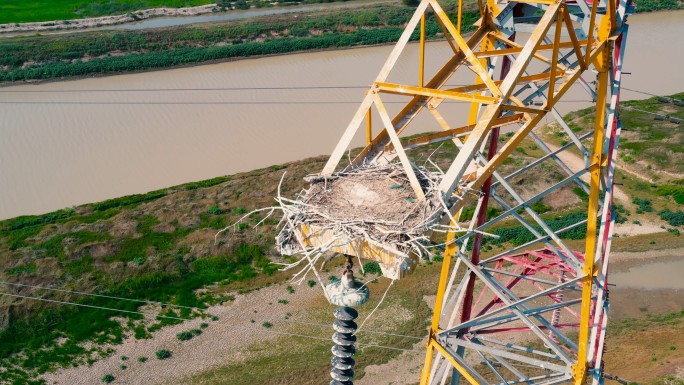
[374,202]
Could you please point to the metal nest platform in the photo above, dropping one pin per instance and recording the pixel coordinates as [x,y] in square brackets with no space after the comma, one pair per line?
[369,212]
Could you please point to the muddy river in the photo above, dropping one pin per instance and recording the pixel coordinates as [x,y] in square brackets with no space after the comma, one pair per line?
[72,142]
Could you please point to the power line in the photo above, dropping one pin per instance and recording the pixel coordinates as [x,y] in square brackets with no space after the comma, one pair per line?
[651,94]
[277,88]
[304,102]
[179,306]
[188,89]
[362,331]
[98,295]
[190,319]
[92,306]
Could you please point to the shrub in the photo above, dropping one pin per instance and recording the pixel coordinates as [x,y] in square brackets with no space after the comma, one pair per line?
[674,218]
[290,289]
[372,268]
[107,378]
[123,367]
[267,324]
[184,336]
[215,210]
[204,325]
[283,301]
[163,354]
[142,359]
[643,205]
[311,283]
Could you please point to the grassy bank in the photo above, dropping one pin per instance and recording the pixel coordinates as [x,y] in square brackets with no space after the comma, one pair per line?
[18,11]
[153,247]
[105,52]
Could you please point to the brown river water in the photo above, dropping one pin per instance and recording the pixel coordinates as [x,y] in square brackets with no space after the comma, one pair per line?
[59,149]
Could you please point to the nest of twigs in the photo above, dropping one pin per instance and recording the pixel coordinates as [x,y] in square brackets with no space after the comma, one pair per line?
[375,202]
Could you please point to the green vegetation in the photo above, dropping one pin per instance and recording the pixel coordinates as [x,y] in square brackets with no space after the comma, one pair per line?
[675,191]
[647,146]
[631,324]
[83,54]
[142,359]
[163,354]
[18,11]
[188,335]
[643,205]
[107,378]
[372,268]
[184,336]
[518,235]
[657,5]
[674,218]
[106,248]
[27,269]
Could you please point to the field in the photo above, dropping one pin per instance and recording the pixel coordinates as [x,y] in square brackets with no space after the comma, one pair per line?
[18,11]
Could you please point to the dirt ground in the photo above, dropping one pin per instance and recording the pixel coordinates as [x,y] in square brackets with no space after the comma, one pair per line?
[222,342]
[225,341]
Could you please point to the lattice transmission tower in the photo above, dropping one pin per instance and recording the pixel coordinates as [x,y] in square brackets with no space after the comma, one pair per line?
[532,311]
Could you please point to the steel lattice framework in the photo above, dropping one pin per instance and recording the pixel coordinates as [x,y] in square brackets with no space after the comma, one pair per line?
[534,313]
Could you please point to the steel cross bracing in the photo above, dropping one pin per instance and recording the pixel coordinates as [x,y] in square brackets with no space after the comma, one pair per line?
[534,312]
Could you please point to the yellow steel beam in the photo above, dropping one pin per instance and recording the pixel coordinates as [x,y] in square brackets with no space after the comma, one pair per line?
[387,121]
[513,44]
[453,133]
[450,251]
[516,50]
[457,169]
[421,71]
[573,38]
[459,16]
[454,363]
[554,54]
[369,126]
[513,142]
[486,46]
[592,26]
[399,89]
[475,64]
[447,37]
[415,105]
[528,110]
[523,80]
[548,2]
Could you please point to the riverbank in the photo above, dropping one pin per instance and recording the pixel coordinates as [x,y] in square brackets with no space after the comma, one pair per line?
[104,21]
[170,16]
[106,52]
[96,53]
